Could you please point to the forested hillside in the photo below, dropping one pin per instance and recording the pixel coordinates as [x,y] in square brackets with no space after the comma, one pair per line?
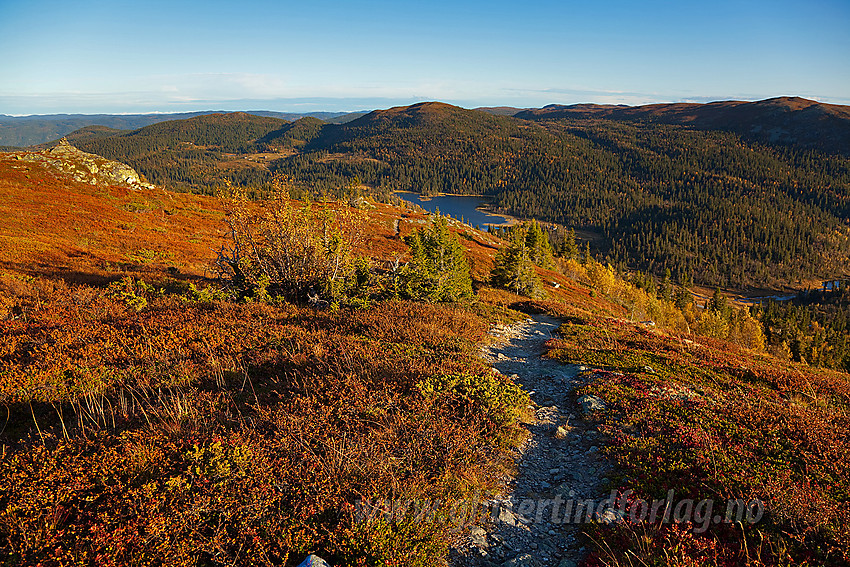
[21,131]
[703,203]
[185,154]
[790,121]
[813,328]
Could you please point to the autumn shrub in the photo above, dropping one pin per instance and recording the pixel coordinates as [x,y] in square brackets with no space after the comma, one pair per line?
[290,249]
[602,276]
[721,321]
[639,304]
[206,294]
[12,288]
[380,542]
[573,269]
[132,292]
[500,398]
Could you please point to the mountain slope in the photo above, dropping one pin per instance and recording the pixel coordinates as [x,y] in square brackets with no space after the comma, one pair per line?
[706,204]
[61,219]
[785,120]
[231,131]
[188,154]
[92,133]
[149,421]
[294,134]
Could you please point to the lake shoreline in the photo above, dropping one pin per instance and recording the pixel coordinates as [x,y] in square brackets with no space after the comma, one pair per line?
[483,207]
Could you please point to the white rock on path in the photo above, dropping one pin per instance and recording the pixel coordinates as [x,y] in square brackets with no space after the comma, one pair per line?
[590,404]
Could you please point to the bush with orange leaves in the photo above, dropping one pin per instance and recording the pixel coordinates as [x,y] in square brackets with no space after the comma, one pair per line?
[288,249]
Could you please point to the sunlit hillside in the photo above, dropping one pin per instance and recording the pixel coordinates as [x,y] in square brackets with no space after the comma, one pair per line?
[160,415]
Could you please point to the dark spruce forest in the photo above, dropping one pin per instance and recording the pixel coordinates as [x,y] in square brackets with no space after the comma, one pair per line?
[742,195]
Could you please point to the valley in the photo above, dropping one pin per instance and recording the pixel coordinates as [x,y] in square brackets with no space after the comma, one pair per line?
[708,204]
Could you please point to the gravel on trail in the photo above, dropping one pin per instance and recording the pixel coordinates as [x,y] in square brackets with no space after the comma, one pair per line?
[557,467]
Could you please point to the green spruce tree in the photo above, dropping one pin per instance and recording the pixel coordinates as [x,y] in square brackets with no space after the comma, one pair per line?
[537,242]
[569,248]
[438,269]
[513,268]
[719,303]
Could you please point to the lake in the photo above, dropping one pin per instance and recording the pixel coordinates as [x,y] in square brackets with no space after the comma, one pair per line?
[457,207]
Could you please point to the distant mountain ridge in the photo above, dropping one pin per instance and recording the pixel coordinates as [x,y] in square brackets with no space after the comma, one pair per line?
[501,110]
[784,120]
[23,131]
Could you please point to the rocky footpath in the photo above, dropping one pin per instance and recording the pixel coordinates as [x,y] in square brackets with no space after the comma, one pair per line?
[86,168]
[537,522]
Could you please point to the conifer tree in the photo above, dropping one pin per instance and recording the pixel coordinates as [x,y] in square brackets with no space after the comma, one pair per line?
[667,285]
[683,299]
[720,304]
[438,269]
[586,256]
[513,268]
[537,242]
[569,248]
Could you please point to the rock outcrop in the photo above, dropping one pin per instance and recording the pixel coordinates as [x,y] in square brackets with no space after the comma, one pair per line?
[87,168]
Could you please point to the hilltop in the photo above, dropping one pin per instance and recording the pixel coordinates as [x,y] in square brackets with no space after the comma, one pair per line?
[75,215]
[785,120]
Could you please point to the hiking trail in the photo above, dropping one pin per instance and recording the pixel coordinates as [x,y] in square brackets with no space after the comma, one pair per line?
[522,531]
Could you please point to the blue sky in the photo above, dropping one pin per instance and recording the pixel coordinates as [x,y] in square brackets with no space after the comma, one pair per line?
[126,56]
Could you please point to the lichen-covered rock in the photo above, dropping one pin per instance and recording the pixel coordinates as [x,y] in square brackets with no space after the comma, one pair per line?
[87,168]
[590,404]
[478,537]
[522,560]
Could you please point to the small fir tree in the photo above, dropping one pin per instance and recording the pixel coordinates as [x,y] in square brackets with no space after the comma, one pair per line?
[438,269]
[537,242]
[513,268]
[569,248]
